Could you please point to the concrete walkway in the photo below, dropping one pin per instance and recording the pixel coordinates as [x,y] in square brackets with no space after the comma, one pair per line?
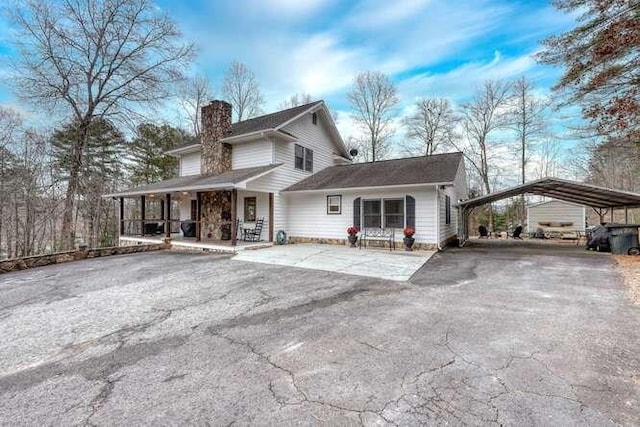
[384,264]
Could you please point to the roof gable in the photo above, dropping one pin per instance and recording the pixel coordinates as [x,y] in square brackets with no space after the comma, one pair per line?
[436,169]
[269,121]
[274,122]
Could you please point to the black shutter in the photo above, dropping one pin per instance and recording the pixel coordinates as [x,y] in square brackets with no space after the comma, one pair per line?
[411,212]
[356,213]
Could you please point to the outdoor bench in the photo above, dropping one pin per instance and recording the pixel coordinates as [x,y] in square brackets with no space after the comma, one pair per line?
[386,235]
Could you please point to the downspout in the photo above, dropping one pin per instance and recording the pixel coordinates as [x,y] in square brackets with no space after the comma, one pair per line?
[437,187]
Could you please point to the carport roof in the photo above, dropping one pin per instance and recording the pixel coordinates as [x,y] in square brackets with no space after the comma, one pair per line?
[561,189]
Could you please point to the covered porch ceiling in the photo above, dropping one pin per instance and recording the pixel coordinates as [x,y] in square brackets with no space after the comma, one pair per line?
[561,189]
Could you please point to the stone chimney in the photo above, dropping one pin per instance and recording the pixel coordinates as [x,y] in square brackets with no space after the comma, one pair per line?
[216,124]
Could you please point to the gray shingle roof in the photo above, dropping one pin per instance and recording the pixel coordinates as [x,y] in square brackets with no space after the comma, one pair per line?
[269,121]
[256,124]
[414,170]
[186,183]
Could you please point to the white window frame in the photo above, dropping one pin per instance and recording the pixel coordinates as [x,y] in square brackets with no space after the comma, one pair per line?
[337,198]
[382,215]
[306,153]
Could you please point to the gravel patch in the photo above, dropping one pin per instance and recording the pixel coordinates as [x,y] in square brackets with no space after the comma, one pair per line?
[629,267]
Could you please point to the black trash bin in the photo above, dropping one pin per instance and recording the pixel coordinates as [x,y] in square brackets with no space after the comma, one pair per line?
[225,232]
[623,237]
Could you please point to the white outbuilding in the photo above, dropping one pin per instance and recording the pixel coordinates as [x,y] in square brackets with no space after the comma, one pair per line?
[556,217]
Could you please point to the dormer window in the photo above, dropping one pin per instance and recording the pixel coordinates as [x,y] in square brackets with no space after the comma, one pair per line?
[314,118]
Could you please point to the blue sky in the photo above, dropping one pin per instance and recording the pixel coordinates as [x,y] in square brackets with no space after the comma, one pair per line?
[428,47]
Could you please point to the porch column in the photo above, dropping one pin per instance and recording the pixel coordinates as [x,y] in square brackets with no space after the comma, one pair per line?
[143,213]
[166,214]
[121,216]
[198,214]
[271,217]
[612,215]
[234,215]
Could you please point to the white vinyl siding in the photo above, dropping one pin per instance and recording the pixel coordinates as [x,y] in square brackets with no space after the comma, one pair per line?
[190,164]
[556,211]
[313,137]
[447,230]
[185,206]
[307,213]
[252,153]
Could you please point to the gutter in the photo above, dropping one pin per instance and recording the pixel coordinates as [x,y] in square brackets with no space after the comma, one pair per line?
[371,187]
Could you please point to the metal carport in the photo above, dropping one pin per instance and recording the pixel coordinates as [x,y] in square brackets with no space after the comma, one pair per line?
[601,199]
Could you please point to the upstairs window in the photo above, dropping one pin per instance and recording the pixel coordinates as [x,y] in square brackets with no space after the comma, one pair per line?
[303,158]
[314,118]
[299,157]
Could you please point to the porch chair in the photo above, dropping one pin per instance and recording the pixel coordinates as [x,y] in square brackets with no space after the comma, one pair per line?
[253,234]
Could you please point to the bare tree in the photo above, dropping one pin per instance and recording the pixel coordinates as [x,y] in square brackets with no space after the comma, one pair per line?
[373,98]
[528,121]
[431,127]
[95,58]
[10,122]
[241,89]
[295,100]
[484,114]
[547,162]
[197,92]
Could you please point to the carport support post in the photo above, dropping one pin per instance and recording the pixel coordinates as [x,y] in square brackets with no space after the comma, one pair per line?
[234,215]
[167,215]
[626,215]
[143,214]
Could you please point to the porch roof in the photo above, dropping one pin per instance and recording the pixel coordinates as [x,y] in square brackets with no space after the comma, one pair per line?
[231,179]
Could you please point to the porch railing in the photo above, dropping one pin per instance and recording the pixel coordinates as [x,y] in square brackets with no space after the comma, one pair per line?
[157,227]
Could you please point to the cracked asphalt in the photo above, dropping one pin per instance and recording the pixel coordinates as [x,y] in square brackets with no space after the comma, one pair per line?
[497,333]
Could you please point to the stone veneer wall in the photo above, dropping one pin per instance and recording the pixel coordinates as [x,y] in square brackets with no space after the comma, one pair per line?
[373,243]
[216,210]
[60,257]
[215,156]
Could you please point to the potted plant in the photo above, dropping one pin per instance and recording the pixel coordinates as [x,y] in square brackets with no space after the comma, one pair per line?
[408,238]
[353,238]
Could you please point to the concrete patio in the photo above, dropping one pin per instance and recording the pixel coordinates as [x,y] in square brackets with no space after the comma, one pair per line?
[380,263]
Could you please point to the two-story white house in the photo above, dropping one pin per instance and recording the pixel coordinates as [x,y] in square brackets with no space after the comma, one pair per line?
[290,171]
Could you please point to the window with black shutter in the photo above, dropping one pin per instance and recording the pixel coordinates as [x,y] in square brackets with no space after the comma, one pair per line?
[411,211]
[356,213]
[447,209]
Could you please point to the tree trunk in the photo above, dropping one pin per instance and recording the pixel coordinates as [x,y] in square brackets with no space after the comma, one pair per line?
[68,237]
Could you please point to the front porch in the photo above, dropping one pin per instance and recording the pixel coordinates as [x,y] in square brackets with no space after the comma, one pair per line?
[199,219]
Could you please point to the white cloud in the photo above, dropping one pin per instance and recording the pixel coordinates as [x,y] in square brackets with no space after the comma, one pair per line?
[459,83]
[379,13]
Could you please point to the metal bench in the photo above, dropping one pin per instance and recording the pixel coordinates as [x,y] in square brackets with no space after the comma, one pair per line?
[379,235]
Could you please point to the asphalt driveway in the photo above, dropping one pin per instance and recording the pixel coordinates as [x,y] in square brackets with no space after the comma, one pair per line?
[483,335]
